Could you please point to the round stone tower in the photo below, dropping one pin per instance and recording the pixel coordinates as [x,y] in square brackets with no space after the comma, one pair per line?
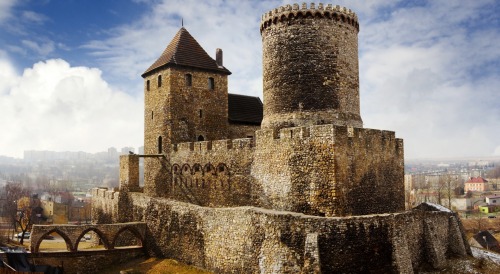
[310,63]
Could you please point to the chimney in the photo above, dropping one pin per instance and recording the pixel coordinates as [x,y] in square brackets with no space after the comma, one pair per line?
[218,57]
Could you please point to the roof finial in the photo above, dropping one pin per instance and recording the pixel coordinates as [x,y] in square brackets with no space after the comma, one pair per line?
[182,22]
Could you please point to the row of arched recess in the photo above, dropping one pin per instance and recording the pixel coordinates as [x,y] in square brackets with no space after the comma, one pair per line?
[126,237]
[186,169]
[207,176]
[312,14]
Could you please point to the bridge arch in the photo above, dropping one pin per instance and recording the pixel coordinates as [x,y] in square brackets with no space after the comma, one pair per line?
[102,237]
[72,234]
[67,240]
[132,230]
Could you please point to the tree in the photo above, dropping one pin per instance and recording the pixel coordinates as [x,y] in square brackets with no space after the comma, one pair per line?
[23,216]
[441,187]
[451,185]
[16,207]
[494,173]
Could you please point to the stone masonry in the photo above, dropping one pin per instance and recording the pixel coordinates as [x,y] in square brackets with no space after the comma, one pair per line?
[311,191]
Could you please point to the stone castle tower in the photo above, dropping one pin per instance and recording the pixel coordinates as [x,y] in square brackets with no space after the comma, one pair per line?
[186,100]
[310,66]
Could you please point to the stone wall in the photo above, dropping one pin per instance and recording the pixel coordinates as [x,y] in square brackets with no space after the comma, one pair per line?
[105,206]
[129,173]
[255,240]
[85,262]
[242,130]
[329,170]
[212,173]
[324,170]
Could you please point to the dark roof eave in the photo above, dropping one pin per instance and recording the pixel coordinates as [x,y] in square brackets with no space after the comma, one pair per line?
[244,122]
[152,71]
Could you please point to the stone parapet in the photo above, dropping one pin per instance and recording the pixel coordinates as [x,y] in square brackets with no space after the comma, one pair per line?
[257,240]
[217,145]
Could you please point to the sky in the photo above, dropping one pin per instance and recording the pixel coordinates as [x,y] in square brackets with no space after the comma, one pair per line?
[70,69]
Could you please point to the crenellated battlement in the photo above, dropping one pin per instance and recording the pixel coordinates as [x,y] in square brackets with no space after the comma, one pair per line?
[328,11]
[216,145]
[104,193]
[324,131]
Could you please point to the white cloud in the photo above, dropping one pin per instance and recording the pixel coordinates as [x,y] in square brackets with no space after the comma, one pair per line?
[8,75]
[428,69]
[34,17]
[57,107]
[42,49]
[232,26]
[433,82]
[5,9]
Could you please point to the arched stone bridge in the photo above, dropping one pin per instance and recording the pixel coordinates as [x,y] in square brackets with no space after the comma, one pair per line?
[72,234]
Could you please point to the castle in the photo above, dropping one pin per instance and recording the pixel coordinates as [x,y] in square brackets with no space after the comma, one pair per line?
[239,187]
[309,155]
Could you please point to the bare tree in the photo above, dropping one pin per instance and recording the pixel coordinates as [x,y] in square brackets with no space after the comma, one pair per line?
[494,173]
[23,218]
[15,207]
[441,186]
[451,185]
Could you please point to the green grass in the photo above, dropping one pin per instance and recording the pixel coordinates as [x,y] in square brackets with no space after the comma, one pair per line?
[154,265]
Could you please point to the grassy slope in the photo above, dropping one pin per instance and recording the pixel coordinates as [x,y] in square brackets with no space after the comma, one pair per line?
[154,265]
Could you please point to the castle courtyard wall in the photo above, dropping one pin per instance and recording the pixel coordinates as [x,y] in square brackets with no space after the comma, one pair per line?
[212,173]
[256,240]
[329,170]
[242,130]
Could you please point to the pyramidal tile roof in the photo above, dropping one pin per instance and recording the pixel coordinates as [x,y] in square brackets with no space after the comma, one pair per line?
[185,51]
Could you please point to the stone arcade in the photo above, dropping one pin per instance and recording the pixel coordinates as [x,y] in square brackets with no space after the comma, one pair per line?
[303,188]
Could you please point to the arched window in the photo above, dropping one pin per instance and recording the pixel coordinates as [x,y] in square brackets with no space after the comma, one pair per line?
[147,85]
[211,83]
[189,80]
[201,138]
[200,113]
[159,80]
[160,149]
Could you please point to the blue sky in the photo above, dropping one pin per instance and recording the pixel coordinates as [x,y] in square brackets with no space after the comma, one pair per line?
[70,69]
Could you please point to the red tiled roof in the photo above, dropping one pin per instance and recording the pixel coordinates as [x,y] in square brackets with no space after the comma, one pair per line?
[184,50]
[477,180]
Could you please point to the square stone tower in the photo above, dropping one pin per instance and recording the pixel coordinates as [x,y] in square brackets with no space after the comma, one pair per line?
[185,97]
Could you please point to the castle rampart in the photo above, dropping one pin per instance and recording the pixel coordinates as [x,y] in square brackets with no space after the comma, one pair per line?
[256,240]
[329,170]
[324,170]
[212,173]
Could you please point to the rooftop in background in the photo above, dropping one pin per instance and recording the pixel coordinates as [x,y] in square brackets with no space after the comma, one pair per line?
[477,180]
